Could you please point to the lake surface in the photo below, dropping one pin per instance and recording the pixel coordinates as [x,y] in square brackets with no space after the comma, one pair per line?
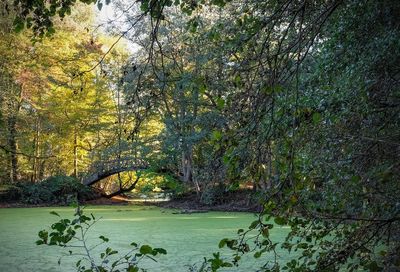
[188,238]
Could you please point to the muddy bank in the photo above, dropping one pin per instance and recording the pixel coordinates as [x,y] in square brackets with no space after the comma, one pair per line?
[239,201]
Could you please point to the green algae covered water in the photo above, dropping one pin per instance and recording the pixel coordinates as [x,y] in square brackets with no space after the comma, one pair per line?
[188,238]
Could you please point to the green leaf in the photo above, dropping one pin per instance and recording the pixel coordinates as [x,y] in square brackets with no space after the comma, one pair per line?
[226,264]
[219,3]
[18,24]
[145,249]
[226,159]
[60,227]
[220,103]
[216,135]
[254,224]
[160,250]
[280,221]
[132,269]
[302,245]
[50,31]
[44,235]
[144,6]
[202,88]
[269,226]
[316,117]
[134,244]
[355,179]
[114,264]
[54,213]
[237,81]
[222,243]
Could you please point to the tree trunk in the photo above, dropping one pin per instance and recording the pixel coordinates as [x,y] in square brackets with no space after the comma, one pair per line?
[75,153]
[36,162]
[187,162]
[14,107]
[12,145]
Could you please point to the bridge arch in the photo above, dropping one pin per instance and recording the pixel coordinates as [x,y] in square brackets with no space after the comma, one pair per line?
[101,170]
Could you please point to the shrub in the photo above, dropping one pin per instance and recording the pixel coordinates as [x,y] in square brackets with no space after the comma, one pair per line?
[212,195]
[10,193]
[57,189]
[32,193]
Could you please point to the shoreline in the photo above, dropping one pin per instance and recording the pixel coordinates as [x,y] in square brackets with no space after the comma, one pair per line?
[184,205]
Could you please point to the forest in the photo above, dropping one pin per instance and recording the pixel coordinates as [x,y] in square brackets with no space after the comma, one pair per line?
[275,123]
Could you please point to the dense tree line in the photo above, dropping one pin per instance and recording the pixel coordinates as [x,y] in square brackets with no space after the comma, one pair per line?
[298,98]
[302,99]
[59,111]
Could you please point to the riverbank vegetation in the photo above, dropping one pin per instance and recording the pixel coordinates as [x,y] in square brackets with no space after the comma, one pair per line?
[296,101]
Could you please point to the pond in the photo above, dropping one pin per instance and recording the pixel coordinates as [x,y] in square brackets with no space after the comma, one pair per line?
[186,237]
